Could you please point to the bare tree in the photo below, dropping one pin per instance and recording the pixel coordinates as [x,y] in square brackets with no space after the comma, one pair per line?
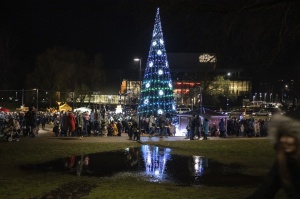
[62,70]
[8,60]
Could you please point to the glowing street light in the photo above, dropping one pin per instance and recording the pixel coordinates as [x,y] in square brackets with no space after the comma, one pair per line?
[140,79]
[140,69]
[259,96]
[265,97]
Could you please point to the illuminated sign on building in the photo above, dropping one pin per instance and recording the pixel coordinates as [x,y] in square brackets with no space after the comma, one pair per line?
[207,58]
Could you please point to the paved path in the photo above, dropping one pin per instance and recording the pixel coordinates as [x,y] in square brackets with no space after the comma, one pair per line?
[47,134]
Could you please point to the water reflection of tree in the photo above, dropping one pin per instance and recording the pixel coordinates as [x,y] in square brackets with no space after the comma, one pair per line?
[161,165]
[155,160]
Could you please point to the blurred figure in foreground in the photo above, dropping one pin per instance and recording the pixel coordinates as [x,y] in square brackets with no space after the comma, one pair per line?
[283,180]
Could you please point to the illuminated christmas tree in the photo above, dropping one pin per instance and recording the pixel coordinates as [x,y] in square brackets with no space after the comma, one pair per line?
[157,89]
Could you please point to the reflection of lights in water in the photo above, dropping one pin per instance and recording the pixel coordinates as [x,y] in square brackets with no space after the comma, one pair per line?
[199,164]
[155,160]
[86,161]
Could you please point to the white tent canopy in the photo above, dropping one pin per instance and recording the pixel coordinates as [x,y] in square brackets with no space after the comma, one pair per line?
[83,109]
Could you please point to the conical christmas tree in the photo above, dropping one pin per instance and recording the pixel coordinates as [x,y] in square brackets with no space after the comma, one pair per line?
[157,89]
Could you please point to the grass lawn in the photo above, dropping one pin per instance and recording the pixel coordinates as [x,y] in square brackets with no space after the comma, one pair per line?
[255,155]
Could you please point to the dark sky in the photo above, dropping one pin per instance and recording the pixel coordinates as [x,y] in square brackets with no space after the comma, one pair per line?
[244,33]
[119,29]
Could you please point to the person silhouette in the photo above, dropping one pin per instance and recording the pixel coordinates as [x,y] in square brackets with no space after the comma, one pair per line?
[283,179]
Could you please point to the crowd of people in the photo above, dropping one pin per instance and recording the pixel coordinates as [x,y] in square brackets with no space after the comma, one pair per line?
[94,123]
[201,127]
[97,123]
[249,127]
[68,123]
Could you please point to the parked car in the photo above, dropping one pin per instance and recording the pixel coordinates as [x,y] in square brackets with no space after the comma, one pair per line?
[250,111]
[182,110]
[262,112]
[237,113]
[275,110]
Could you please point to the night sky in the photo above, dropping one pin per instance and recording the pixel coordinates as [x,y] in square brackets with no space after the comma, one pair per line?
[249,33]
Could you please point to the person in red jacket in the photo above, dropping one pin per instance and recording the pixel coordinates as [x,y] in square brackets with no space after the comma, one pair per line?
[71,124]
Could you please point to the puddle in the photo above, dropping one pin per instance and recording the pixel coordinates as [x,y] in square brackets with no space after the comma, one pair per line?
[152,163]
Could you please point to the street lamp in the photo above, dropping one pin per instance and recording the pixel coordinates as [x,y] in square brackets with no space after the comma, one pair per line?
[73,95]
[140,69]
[109,99]
[37,98]
[259,96]
[140,79]
[227,103]
[265,97]
[22,97]
[200,100]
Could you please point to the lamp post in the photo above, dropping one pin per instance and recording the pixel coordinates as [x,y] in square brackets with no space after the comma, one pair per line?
[37,98]
[227,103]
[140,69]
[22,97]
[265,97]
[259,96]
[200,100]
[109,99]
[140,80]
[73,95]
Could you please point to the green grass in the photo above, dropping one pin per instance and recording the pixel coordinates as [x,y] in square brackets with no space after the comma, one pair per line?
[256,155]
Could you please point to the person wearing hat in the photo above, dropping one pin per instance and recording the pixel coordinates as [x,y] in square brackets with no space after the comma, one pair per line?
[283,180]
